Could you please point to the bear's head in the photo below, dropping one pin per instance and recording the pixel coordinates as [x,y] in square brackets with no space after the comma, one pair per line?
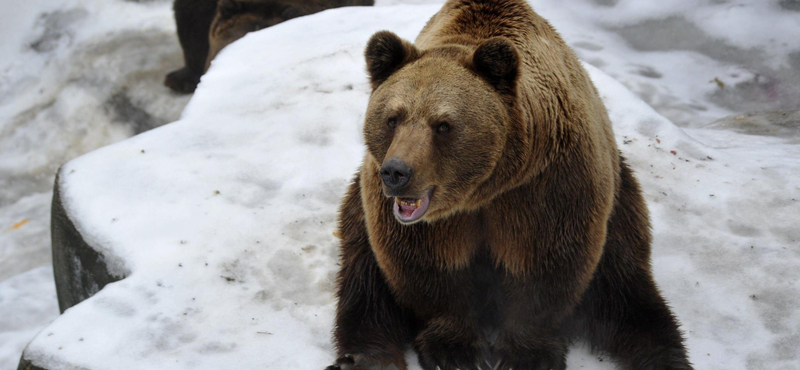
[440,123]
[235,18]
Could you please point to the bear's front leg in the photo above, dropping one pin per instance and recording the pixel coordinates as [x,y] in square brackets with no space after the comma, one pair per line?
[532,333]
[372,331]
[531,350]
[451,343]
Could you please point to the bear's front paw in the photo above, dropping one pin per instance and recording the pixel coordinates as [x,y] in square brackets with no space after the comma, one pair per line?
[360,362]
[533,360]
[182,80]
[451,354]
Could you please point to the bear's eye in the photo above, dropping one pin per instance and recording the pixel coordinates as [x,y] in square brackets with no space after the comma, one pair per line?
[443,127]
[392,122]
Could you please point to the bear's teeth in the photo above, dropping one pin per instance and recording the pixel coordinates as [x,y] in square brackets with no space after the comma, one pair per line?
[416,203]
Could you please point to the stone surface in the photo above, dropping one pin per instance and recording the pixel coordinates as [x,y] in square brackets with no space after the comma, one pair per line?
[80,271]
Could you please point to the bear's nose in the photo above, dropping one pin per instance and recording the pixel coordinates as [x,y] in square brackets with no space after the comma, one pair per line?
[395,173]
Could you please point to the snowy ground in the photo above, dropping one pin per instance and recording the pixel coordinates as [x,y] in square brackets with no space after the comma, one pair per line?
[79,74]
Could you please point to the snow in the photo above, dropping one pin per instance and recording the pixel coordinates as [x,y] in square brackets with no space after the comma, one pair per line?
[25,299]
[77,75]
[672,53]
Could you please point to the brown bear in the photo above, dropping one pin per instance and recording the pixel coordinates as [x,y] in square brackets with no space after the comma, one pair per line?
[206,26]
[493,220]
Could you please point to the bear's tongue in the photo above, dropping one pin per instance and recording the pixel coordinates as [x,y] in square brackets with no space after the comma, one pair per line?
[407,206]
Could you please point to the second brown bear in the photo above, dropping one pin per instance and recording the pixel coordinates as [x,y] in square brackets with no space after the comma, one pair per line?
[207,26]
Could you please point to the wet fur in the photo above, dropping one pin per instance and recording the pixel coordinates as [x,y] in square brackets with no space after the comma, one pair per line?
[547,243]
[206,26]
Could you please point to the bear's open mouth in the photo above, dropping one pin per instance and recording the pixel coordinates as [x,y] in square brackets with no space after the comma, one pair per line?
[408,210]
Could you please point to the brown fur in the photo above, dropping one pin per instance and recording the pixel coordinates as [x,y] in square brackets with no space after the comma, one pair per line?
[536,227]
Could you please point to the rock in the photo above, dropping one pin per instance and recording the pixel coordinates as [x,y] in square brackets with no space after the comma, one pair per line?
[27,365]
[80,271]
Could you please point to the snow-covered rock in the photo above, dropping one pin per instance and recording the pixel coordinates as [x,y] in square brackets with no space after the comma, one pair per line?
[222,222]
[79,270]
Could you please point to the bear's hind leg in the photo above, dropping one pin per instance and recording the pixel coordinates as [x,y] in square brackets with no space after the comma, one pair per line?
[622,312]
[630,321]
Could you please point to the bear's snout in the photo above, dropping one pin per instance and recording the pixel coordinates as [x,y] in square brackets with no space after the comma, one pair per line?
[395,174]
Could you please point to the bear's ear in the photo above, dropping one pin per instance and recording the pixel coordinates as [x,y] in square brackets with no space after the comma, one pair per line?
[497,61]
[229,8]
[386,53]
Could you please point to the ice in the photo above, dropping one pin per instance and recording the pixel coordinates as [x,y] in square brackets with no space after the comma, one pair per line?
[80,74]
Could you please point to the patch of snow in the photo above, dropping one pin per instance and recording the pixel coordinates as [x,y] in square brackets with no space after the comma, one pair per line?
[693,61]
[28,304]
